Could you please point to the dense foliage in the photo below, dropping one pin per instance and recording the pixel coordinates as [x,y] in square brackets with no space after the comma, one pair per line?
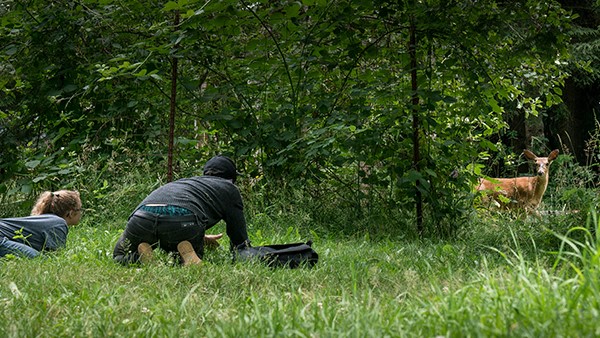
[315,95]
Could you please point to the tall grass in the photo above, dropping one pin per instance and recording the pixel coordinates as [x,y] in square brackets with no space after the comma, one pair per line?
[501,276]
[360,288]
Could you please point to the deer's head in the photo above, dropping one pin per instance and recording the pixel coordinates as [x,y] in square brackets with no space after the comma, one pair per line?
[541,163]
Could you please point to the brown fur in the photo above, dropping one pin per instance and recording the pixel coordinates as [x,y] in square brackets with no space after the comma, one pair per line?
[523,193]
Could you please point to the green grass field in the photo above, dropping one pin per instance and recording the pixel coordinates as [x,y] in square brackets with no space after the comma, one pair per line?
[503,277]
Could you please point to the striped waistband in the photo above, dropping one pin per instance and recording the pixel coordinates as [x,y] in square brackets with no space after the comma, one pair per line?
[170,210]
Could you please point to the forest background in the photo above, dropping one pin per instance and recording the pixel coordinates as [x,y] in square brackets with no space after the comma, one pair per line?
[362,125]
[373,108]
[376,109]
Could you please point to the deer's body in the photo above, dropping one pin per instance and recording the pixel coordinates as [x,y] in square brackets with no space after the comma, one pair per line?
[521,192]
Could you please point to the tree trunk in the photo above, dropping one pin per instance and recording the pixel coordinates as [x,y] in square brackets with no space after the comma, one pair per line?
[412,50]
[173,107]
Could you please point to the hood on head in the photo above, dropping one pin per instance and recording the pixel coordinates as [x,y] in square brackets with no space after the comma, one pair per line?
[221,166]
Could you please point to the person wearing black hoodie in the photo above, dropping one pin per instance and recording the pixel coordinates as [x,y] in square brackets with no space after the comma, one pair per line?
[174,217]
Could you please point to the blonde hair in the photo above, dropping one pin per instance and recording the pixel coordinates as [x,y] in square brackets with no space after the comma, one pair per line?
[59,203]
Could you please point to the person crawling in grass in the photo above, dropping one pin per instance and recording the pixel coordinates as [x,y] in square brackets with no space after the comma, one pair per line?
[47,227]
[174,217]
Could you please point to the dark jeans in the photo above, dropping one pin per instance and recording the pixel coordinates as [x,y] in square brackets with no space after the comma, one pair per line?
[160,231]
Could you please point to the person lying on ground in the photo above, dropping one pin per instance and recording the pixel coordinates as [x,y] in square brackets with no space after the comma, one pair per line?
[174,217]
[47,227]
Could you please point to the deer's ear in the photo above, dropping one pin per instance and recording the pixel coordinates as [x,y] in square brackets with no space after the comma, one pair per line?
[553,155]
[529,154]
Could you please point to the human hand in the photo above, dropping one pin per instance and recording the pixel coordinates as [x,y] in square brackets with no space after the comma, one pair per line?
[212,241]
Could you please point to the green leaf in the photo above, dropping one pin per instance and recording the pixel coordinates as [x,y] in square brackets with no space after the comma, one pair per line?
[11,50]
[171,6]
[141,72]
[557,90]
[292,10]
[477,169]
[32,164]
[431,172]
[69,88]
[39,178]
[494,105]
[26,189]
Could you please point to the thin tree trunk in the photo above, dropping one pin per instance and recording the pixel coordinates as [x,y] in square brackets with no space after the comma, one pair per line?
[412,50]
[173,107]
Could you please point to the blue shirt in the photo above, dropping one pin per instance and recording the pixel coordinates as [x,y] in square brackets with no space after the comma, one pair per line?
[41,232]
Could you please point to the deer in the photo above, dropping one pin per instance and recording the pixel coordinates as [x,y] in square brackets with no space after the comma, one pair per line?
[520,193]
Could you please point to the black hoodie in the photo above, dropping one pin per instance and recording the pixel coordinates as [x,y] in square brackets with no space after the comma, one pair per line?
[211,197]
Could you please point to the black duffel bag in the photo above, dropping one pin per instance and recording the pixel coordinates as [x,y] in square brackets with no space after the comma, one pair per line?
[291,256]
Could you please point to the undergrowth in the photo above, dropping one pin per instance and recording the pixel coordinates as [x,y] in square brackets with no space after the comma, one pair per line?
[499,275]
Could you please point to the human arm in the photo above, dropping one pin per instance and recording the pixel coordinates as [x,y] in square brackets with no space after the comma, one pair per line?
[236,221]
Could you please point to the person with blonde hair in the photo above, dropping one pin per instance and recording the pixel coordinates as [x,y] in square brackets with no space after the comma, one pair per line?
[47,227]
